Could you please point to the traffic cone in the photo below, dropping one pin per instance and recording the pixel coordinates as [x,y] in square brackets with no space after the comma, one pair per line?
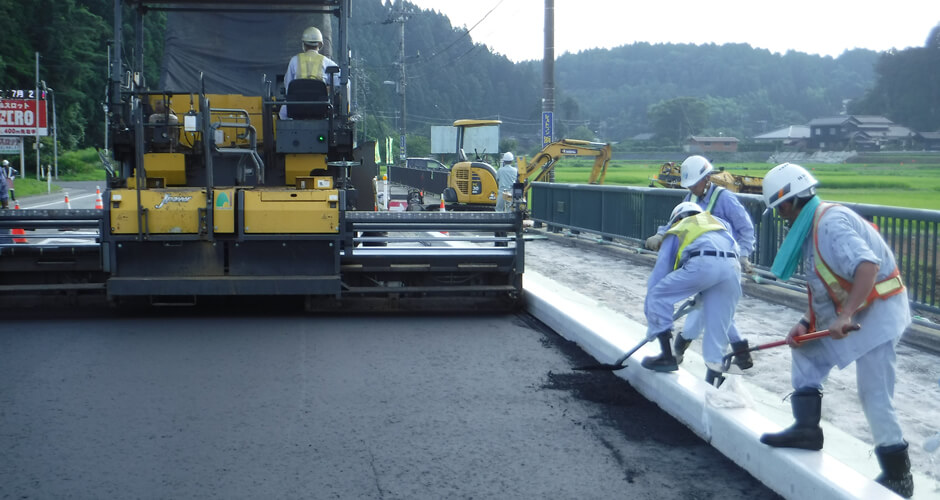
[98,203]
[17,232]
[67,203]
[443,209]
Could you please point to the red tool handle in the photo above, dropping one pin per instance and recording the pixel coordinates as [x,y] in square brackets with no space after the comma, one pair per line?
[804,337]
[798,339]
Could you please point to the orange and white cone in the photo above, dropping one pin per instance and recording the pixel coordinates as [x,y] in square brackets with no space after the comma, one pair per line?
[98,190]
[17,232]
[99,205]
[443,209]
[68,204]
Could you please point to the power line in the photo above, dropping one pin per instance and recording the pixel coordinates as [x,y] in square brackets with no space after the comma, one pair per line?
[465,34]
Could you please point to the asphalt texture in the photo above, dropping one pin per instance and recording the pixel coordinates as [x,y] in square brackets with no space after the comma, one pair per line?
[259,401]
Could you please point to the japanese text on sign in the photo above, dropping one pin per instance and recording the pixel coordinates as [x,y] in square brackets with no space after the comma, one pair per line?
[546,128]
[21,117]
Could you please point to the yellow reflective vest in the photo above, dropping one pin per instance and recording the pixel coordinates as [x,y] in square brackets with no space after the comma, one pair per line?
[310,65]
[690,228]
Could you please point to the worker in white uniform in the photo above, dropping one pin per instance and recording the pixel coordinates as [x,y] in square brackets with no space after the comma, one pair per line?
[695,172]
[309,64]
[506,176]
[698,255]
[852,278]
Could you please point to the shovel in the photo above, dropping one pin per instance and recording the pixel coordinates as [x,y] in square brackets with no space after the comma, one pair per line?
[618,365]
[726,361]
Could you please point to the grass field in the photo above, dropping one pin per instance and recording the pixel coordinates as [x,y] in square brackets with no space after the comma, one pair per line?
[903,184]
[912,185]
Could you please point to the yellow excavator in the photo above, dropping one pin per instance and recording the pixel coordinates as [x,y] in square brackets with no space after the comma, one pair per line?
[472,185]
[670,174]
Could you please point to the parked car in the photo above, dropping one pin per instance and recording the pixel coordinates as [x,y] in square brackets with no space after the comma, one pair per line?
[426,164]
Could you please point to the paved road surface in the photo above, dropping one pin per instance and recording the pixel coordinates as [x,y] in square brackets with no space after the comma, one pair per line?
[81,195]
[224,404]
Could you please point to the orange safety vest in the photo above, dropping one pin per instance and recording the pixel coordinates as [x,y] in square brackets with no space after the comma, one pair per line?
[310,65]
[838,287]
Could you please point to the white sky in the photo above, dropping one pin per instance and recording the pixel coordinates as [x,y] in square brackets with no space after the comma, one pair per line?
[514,28]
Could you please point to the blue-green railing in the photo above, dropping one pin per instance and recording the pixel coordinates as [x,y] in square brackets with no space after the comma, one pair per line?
[634,213]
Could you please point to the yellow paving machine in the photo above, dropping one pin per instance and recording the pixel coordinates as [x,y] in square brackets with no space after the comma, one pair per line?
[213,192]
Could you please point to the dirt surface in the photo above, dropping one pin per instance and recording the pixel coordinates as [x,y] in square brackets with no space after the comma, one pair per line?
[617,280]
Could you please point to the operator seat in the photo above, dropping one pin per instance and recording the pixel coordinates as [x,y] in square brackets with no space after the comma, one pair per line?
[316,105]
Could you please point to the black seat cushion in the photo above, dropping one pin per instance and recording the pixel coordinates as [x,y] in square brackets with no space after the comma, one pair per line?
[315,96]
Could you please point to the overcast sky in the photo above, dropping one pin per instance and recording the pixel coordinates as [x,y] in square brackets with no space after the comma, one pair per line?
[514,28]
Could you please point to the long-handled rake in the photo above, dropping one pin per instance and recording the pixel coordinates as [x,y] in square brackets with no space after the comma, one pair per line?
[619,363]
[728,358]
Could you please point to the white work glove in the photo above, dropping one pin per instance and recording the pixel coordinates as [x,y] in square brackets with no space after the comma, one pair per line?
[654,241]
[746,266]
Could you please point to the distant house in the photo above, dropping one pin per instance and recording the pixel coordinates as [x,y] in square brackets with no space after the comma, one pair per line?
[697,144]
[858,132]
[930,141]
[794,136]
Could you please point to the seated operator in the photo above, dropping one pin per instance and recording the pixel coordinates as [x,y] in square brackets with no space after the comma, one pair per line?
[160,114]
[308,64]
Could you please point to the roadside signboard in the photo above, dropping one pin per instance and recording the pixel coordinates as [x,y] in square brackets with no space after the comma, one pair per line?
[20,117]
[475,139]
[10,145]
[547,126]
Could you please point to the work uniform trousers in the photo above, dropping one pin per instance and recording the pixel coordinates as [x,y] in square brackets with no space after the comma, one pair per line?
[874,374]
[695,323]
[718,280]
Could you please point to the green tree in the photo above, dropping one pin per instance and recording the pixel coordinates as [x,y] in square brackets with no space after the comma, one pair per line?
[582,133]
[907,86]
[678,118]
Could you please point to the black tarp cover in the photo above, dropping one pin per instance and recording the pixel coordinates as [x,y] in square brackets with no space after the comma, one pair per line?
[232,50]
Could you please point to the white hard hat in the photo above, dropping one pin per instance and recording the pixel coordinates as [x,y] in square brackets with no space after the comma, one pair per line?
[683,210]
[312,35]
[507,157]
[6,163]
[786,181]
[694,168]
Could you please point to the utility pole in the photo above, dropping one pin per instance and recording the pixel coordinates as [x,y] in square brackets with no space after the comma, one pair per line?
[401,84]
[548,79]
[38,164]
[400,17]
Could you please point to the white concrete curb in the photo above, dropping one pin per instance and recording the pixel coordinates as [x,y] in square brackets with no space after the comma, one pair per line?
[796,474]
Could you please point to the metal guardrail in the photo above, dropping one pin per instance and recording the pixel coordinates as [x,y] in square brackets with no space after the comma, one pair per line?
[634,213]
[425,179]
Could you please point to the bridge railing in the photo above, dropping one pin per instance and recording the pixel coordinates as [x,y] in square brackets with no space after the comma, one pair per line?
[635,213]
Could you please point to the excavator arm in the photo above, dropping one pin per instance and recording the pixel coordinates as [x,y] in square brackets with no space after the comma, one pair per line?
[544,161]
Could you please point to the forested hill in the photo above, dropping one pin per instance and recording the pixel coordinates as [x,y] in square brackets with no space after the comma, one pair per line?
[608,92]
[739,90]
[746,90]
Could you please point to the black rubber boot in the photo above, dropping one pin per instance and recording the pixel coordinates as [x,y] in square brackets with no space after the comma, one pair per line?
[680,345]
[805,433]
[665,362]
[744,359]
[714,379]
[896,469]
